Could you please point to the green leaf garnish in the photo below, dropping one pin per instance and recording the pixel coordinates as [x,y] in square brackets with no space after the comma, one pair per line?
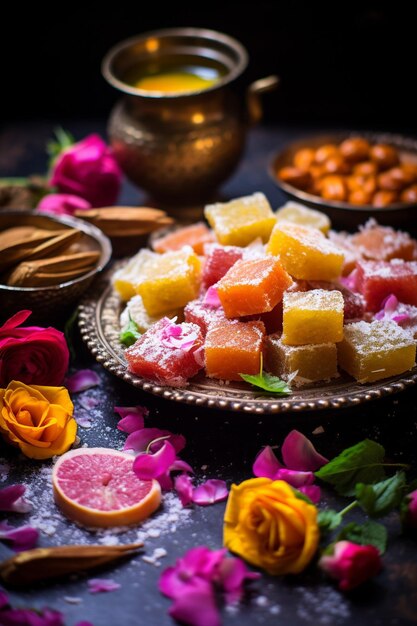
[381,498]
[302,496]
[362,463]
[130,333]
[63,141]
[268,382]
[370,533]
[329,520]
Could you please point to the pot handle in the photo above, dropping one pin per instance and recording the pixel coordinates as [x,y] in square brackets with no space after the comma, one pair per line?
[253,100]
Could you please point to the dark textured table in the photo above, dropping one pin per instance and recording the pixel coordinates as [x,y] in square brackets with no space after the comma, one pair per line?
[219,444]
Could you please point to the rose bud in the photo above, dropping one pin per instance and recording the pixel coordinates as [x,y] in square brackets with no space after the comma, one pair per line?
[351,564]
[409,511]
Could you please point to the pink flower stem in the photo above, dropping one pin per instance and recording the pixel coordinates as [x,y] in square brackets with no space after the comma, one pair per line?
[349,507]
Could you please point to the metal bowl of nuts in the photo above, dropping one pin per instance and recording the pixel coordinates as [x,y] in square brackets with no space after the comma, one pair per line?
[47,262]
[352,176]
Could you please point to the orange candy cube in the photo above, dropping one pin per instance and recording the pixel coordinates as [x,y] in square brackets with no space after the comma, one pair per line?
[233,348]
[253,286]
[195,235]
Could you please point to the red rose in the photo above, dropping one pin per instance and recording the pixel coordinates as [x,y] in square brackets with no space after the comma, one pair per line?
[351,564]
[88,169]
[32,355]
[409,512]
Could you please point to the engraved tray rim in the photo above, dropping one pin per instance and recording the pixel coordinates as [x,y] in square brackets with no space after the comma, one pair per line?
[98,321]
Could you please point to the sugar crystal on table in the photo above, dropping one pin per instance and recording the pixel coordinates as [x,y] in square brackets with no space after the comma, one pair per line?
[312,362]
[170,280]
[253,286]
[233,348]
[376,350]
[376,280]
[305,252]
[240,221]
[314,316]
[167,353]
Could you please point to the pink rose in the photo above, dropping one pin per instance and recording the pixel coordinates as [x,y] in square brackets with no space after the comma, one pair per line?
[351,564]
[62,204]
[88,169]
[409,511]
[32,355]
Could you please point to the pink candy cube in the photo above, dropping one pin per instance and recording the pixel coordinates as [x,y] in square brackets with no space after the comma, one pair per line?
[376,280]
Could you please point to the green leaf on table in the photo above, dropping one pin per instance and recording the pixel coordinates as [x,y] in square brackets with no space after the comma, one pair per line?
[381,498]
[302,496]
[63,141]
[362,462]
[130,333]
[370,533]
[268,382]
[329,519]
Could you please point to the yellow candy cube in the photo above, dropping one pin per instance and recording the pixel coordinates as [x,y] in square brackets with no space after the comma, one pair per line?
[170,280]
[314,316]
[376,350]
[126,280]
[300,214]
[135,310]
[305,252]
[312,362]
[240,221]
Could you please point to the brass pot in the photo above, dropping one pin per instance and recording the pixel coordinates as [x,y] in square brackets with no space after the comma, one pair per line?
[180,147]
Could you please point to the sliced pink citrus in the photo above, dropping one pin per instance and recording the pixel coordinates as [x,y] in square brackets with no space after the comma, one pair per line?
[97,487]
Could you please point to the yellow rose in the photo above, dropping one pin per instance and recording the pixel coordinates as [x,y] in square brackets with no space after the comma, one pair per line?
[38,419]
[267,525]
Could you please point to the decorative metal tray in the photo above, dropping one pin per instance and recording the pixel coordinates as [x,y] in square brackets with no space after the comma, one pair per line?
[99,326]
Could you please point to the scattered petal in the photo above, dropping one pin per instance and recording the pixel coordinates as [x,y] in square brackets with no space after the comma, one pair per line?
[198,562]
[4,600]
[298,453]
[88,402]
[231,577]
[181,466]
[83,420]
[179,336]
[131,423]
[100,585]
[266,464]
[197,606]
[140,411]
[153,465]
[213,490]
[350,281]
[295,478]
[311,491]
[211,298]
[29,617]
[22,538]
[139,440]
[82,380]
[184,488]
[11,499]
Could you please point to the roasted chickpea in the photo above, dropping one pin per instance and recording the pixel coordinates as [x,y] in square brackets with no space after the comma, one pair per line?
[316,171]
[336,165]
[296,177]
[394,179]
[333,188]
[304,158]
[360,197]
[384,198]
[367,168]
[384,156]
[325,152]
[409,194]
[368,184]
[410,171]
[355,149]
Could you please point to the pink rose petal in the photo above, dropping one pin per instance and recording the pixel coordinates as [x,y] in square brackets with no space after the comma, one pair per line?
[82,380]
[213,490]
[83,420]
[199,562]
[16,320]
[197,606]
[211,298]
[4,600]
[88,403]
[184,489]
[232,575]
[298,453]
[181,466]
[152,465]
[30,617]
[100,585]
[131,423]
[350,280]
[311,491]
[295,478]
[139,411]
[139,440]
[266,464]
[178,336]
[22,538]
[62,204]
[11,499]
